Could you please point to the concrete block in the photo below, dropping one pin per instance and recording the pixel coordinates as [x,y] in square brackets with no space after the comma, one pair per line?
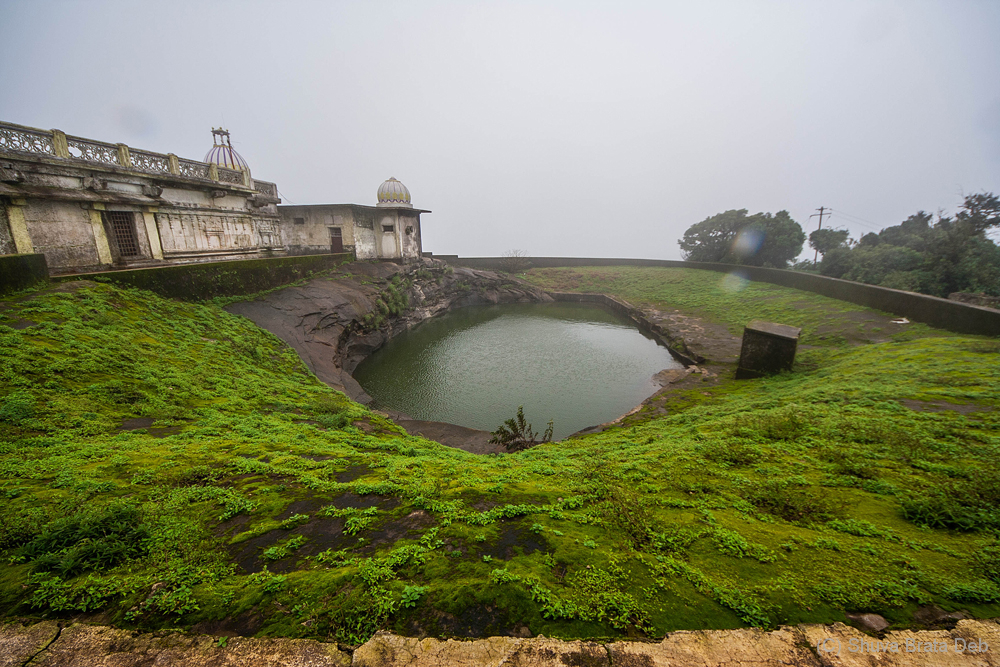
[768,348]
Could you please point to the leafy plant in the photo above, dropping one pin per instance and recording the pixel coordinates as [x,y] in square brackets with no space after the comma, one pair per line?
[516,434]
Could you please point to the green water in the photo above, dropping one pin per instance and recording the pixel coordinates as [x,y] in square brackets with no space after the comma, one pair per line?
[577,364]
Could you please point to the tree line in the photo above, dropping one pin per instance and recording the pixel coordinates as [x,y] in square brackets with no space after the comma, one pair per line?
[932,255]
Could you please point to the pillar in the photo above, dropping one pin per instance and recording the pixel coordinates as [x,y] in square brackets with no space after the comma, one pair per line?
[152,232]
[18,226]
[100,236]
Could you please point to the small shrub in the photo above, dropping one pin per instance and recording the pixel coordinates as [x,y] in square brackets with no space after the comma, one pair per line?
[789,503]
[411,595]
[732,452]
[516,433]
[88,541]
[17,407]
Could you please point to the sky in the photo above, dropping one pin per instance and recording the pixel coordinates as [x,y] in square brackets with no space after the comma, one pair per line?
[576,128]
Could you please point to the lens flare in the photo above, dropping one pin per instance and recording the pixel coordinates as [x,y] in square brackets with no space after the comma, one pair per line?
[734,281]
[747,242]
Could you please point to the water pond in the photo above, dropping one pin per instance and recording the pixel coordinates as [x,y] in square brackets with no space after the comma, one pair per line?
[577,364]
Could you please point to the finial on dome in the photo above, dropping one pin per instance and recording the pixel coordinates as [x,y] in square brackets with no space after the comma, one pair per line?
[393,193]
[222,152]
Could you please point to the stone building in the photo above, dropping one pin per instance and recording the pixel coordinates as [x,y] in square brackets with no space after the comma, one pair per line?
[89,206]
[389,230]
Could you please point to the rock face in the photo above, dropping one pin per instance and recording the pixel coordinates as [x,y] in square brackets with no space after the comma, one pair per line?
[972,642]
[325,319]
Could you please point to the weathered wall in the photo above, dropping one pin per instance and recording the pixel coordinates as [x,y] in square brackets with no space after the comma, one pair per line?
[312,235]
[7,246]
[941,313]
[362,228]
[206,280]
[410,234]
[21,271]
[53,188]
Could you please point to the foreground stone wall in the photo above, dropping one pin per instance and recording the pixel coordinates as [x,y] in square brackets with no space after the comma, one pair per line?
[18,272]
[940,313]
[49,643]
[195,282]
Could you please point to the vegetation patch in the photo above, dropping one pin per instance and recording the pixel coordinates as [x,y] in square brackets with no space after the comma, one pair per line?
[277,506]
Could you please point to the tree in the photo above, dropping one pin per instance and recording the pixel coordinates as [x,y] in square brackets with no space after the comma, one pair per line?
[952,254]
[514,261]
[825,240]
[516,434]
[733,237]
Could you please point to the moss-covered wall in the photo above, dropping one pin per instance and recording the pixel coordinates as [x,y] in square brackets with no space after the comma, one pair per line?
[937,312]
[194,282]
[21,271]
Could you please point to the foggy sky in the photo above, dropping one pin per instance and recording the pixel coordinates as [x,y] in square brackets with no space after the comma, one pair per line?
[559,128]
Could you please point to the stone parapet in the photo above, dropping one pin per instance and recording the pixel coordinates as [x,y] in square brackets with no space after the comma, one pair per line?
[971,642]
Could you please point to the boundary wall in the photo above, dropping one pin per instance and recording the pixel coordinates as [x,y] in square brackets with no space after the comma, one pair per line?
[941,313]
[206,280]
[19,272]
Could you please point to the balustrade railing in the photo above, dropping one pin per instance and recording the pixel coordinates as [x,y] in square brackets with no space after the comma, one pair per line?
[193,169]
[227,175]
[21,139]
[93,151]
[146,161]
[265,188]
[17,139]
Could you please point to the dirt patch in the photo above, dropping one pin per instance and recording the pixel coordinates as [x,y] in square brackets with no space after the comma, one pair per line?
[244,625]
[410,526]
[137,423]
[321,532]
[352,473]
[939,406]
[22,324]
[514,540]
[304,506]
[231,527]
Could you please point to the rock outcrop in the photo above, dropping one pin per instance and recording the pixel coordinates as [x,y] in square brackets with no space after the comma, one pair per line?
[971,642]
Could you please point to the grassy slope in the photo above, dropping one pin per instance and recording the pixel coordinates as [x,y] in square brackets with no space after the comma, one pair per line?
[765,502]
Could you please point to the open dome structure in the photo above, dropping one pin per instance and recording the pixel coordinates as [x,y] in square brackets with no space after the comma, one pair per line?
[222,153]
[393,193]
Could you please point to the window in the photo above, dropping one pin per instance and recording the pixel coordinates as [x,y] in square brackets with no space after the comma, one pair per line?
[122,226]
[299,221]
[387,229]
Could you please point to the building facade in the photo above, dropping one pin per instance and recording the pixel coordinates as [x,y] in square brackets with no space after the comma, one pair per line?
[90,206]
[389,230]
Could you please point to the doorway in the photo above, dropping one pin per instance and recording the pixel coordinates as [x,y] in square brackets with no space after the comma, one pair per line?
[336,240]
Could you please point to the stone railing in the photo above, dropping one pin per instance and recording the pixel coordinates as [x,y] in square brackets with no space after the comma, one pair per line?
[55,143]
[17,139]
[265,188]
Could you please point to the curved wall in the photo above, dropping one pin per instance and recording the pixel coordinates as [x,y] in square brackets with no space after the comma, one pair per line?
[932,310]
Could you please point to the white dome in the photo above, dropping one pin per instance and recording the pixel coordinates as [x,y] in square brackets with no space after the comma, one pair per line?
[393,193]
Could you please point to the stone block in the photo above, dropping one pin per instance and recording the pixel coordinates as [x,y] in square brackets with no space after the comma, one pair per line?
[767,348]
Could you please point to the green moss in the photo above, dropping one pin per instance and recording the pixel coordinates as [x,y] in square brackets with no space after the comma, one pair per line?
[781,500]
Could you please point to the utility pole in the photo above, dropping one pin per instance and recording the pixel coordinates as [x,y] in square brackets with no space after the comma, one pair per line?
[820,214]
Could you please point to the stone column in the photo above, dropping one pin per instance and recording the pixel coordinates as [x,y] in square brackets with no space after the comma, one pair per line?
[152,231]
[124,159]
[18,226]
[100,237]
[175,165]
[213,171]
[59,143]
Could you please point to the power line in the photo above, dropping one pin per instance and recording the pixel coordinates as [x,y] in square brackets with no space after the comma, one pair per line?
[856,219]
